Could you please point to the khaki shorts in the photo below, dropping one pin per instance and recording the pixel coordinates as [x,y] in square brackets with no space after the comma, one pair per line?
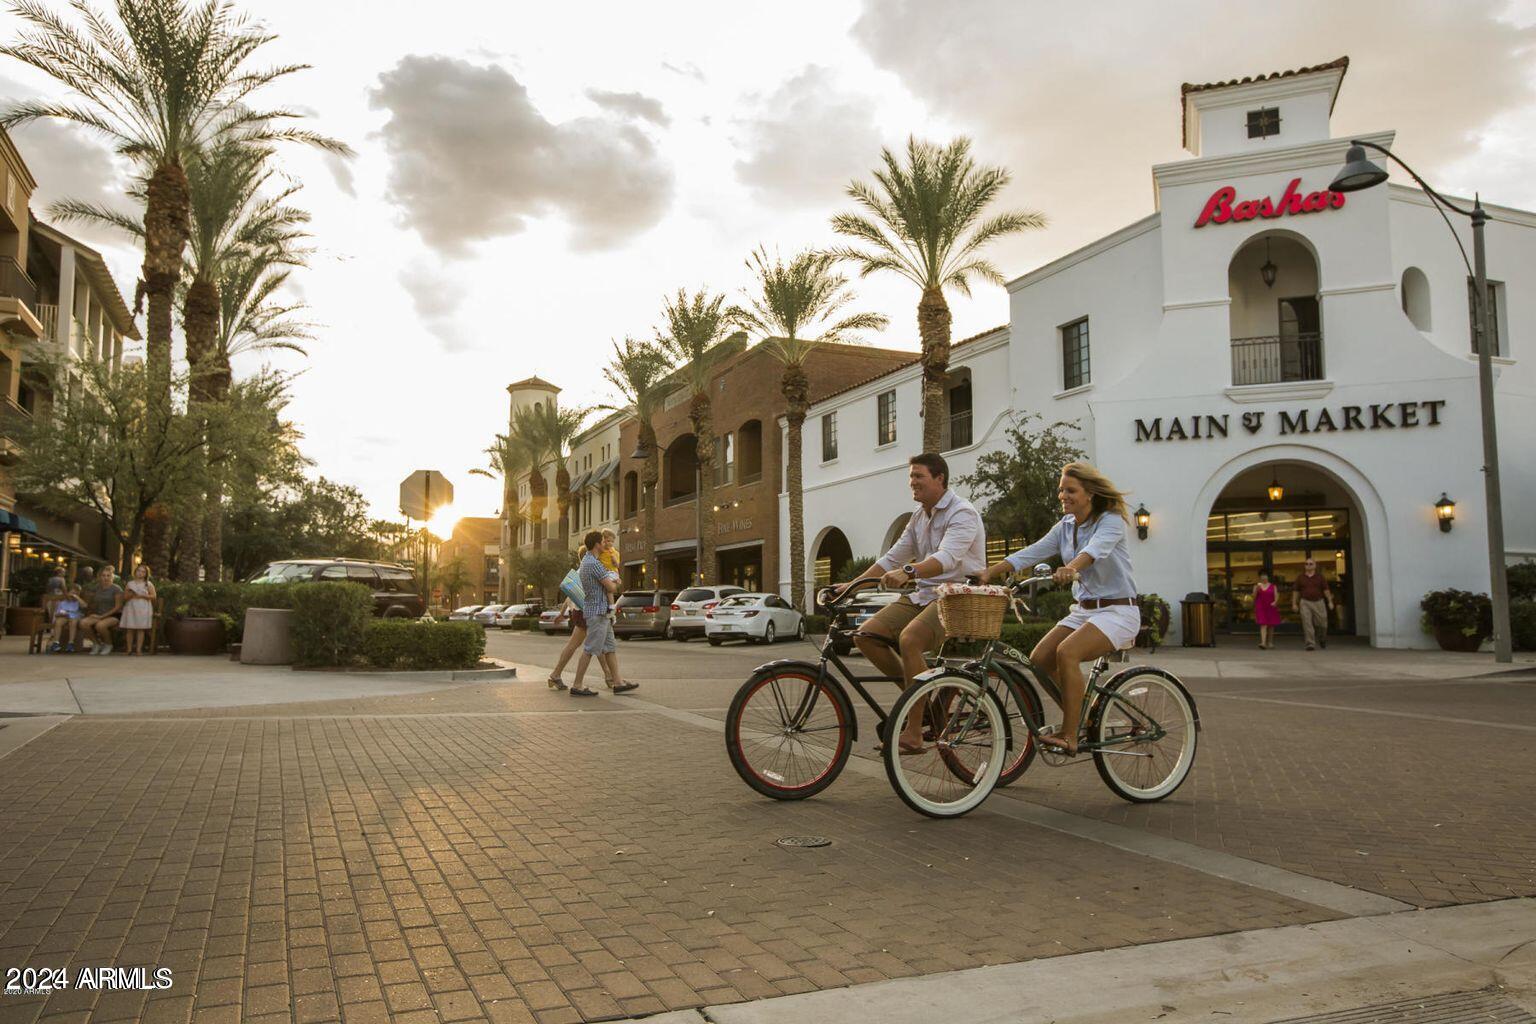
[894,618]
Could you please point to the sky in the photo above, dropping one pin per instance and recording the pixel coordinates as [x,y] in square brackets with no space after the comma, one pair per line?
[531,180]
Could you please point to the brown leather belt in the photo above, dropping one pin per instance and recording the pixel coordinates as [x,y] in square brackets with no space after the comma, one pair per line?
[1095,603]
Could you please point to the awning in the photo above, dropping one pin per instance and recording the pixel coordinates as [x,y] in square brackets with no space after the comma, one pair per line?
[10,521]
[580,481]
[606,470]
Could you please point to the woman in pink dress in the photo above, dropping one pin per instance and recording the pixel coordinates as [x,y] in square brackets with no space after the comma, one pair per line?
[1265,611]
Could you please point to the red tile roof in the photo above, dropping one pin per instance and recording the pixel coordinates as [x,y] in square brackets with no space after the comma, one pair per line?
[910,362]
[1341,63]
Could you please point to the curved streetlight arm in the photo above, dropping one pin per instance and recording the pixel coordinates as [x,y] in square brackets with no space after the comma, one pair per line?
[1475,214]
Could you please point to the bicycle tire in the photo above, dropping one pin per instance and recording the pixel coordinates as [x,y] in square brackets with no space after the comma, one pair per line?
[769,711]
[1023,716]
[1149,770]
[974,731]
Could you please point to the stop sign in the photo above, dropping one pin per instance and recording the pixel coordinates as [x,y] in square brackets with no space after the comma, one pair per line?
[424,492]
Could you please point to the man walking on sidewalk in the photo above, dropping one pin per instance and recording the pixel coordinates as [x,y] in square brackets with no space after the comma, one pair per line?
[1311,598]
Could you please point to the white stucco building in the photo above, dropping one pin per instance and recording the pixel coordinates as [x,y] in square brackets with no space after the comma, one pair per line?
[1254,330]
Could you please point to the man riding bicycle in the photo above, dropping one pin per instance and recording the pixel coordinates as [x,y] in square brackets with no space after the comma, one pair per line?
[944,542]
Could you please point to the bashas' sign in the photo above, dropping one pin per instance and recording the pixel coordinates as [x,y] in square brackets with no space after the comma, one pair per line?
[1220,208]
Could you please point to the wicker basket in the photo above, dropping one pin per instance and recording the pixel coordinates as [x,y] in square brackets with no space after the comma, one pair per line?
[972,616]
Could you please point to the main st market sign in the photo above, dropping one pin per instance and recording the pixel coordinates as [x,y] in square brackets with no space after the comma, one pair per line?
[1344,418]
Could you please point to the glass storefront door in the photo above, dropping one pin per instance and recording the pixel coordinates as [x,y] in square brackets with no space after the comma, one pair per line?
[1241,544]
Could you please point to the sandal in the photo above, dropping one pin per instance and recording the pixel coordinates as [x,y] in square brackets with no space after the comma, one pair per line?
[555,683]
[1056,742]
[581,691]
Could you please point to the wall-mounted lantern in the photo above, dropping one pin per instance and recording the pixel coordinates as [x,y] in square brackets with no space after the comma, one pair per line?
[1276,492]
[1445,511]
[1143,521]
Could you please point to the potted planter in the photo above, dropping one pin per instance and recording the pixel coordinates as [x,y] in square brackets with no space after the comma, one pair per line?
[195,635]
[1458,619]
[23,621]
[1154,621]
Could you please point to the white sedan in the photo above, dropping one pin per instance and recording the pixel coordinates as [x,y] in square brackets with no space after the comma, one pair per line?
[465,614]
[761,618]
[486,616]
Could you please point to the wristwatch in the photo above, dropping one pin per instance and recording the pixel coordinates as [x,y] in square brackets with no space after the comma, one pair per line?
[910,570]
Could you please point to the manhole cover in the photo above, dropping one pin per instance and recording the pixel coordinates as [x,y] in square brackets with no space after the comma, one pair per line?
[1484,1007]
[805,841]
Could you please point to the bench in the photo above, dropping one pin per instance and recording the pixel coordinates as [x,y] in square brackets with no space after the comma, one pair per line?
[119,637]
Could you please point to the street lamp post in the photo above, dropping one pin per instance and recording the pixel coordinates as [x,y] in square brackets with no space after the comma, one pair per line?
[1359,173]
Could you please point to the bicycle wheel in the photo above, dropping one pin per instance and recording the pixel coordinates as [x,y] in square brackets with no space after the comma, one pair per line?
[1148,719]
[1021,713]
[958,769]
[789,732]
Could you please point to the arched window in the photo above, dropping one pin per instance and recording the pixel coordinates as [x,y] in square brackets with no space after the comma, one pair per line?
[1276,315]
[749,451]
[1415,298]
[680,470]
[631,494]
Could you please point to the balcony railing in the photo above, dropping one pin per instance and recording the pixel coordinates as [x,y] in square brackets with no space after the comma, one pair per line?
[1276,358]
[15,282]
[48,316]
[958,430]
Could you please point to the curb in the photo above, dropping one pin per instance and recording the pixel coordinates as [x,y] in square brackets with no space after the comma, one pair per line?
[465,675]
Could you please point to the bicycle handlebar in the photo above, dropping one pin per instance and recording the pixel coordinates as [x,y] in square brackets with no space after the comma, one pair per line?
[824,597]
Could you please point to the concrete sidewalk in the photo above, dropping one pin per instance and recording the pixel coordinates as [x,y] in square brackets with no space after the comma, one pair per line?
[1265,975]
[1240,658]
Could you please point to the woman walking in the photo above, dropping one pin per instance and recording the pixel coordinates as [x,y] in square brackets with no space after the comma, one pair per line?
[1090,541]
[1266,611]
[138,609]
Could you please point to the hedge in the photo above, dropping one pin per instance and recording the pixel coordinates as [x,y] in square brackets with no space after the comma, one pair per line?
[525,623]
[816,624]
[1522,581]
[329,622]
[1522,625]
[412,645]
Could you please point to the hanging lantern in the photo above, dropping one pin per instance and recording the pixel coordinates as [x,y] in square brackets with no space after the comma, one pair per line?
[1276,492]
[1268,271]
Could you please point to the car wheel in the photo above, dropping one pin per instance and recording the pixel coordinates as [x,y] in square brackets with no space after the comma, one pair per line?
[395,612]
[625,636]
[714,641]
[800,629]
[768,634]
[681,638]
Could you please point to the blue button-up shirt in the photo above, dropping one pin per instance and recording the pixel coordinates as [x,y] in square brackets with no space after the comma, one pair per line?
[1103,537]
[594,600]
[952,533]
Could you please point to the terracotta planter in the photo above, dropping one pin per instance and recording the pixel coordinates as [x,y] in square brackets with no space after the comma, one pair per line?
[22,621]
[195,636]
[1452,639]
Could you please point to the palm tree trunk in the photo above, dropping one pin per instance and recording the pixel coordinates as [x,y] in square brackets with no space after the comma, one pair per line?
[200,321]
[213,499]
[796,391]
[933,327]
[704,442]
[167,225]
[563,497]
[650,475]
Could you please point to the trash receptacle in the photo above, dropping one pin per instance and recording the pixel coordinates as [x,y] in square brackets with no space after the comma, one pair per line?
[1199,626]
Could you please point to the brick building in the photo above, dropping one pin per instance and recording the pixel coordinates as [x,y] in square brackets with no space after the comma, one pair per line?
[749,475]
[477,541]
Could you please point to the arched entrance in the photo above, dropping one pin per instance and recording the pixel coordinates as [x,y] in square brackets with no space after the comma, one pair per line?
[1269,519]
[894,533]
[1275,312]
[831,553]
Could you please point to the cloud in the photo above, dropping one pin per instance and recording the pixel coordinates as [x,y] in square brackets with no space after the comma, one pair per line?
[471,159]
[341,172]
[687,69]
[1079,101]
[631,104]
[437,298]
[806,139]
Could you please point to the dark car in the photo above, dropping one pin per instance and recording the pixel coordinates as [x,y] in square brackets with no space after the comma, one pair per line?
[394,589]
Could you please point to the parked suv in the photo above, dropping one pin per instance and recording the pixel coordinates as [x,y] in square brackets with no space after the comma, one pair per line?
[643,613]
[689,608]
[394,589]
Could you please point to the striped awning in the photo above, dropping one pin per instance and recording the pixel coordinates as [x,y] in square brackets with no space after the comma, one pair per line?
[14,521]
[580,481]
[606,470]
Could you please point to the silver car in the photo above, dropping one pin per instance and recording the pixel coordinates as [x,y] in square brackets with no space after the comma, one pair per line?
[689,608]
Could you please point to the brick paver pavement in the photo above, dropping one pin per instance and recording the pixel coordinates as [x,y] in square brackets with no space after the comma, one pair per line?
[505,854]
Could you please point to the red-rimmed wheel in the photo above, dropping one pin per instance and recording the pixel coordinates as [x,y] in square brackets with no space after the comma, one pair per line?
[789,732]
[1021,712]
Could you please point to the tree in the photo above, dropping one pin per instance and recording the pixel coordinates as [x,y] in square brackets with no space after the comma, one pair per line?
[453,577]
[544,570]
[1016,484]
[922,221]
[550,431]
[695,327]
[797,307]
[639,372]
[171,83]
[111,447]
[509,458]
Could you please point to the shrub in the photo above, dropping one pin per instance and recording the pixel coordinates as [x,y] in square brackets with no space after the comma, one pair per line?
[329,621]
[1154,617]
[222,601]
[1467,613]
[526,623]
[1053,604]
[1522,625]
[816,624]
[853,568]
[29,582]
[1522,581]
[414,645]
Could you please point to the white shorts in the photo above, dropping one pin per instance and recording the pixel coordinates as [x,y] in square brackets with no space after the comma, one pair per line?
[1119,622]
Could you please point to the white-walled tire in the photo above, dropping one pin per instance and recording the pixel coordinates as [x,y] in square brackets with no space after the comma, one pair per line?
[1150,704]
[963,754]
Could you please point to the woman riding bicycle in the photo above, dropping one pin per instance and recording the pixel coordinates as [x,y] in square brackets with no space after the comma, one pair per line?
[1090,540]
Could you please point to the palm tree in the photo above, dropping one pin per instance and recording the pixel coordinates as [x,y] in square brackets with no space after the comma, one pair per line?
[509,458]
[172,82]
[923,222]
[793,308]
[638,371]
[551,430]
[695,328]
